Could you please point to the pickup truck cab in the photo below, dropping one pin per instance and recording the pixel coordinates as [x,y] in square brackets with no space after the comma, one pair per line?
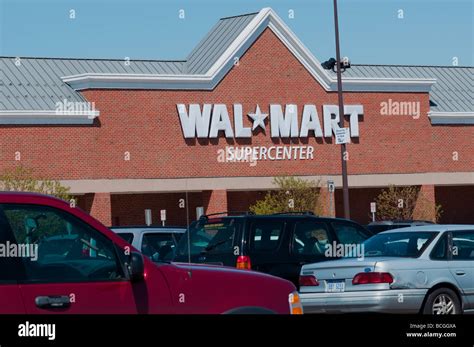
[56,258]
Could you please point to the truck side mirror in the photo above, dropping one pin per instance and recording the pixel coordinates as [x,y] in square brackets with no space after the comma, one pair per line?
[136,267]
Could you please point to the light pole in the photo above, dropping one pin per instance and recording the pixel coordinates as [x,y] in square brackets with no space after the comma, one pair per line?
[340,66]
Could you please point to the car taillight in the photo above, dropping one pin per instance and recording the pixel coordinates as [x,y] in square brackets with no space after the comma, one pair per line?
[243,262]
[308,280]
[295,303]
[372,277]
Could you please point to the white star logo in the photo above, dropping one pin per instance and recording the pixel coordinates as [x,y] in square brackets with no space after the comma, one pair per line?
[258,118]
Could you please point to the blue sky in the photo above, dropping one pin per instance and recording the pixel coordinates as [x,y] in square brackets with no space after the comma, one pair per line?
[432,32]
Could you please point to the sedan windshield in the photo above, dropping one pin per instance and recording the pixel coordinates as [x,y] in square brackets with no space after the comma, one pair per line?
[410,244]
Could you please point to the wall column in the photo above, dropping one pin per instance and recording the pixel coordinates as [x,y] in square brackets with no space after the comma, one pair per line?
[214,201]
[425,208]
[101,208]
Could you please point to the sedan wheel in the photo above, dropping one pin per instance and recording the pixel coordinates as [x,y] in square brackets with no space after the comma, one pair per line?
[443,305]
[442,301]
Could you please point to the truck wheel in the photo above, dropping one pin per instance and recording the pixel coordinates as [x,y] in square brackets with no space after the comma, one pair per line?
[442,301]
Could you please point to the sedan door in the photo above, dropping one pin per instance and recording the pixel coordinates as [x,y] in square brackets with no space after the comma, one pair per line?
[461,263]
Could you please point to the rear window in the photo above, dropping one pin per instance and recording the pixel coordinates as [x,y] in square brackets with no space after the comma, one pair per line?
[265,235]
[409,244]
[126,236]
[216,235]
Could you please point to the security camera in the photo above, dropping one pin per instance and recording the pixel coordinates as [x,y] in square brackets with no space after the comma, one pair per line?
[345,63]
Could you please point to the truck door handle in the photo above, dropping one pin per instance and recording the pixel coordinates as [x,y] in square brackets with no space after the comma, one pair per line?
[460,272]
[55,301]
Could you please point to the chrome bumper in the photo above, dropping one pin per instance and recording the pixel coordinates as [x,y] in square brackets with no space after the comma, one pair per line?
[384,301]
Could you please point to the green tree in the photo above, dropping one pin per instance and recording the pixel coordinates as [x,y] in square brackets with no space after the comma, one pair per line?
[405,203]
[23,179]
[291,194]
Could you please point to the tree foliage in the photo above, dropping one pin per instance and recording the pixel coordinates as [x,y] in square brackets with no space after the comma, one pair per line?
[23,179]
[405,203]
[291,194]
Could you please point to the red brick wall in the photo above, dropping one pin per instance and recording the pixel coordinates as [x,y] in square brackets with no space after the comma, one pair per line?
[359,201]
[146,124]
[129,209]
[457,204]
[241,201]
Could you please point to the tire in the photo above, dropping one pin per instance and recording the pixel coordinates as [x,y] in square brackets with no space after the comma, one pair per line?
[442,301]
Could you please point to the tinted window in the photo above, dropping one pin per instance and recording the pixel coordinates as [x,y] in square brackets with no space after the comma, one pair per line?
[216,235]
[439,252]
[310,238]
[379,228]
[159,246]
[126,236]
[265,235]
[398,244]
[463,245]
[59,247]
[348,233]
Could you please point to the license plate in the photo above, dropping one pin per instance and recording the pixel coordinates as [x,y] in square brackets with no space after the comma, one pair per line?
[335,286]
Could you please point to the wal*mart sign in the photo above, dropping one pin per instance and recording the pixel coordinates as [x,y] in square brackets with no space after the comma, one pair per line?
[210,119]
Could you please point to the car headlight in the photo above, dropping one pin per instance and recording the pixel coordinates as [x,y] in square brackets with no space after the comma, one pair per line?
[295,303]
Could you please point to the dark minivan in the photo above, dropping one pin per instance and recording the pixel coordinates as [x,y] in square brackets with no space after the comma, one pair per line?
[277,244]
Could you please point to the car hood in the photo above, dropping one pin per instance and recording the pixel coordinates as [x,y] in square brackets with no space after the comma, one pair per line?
[221,289]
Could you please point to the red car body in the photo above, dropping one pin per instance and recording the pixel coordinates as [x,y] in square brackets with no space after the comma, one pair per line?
[164,289]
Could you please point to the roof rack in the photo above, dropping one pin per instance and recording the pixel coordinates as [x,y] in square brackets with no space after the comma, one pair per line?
[228,213]
[309,213]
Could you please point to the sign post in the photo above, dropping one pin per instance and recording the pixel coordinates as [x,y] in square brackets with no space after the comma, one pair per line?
[331,189]
[373,209]
[163,217]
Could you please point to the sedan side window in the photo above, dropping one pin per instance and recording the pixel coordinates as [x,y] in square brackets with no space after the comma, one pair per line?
[463,245]
[439,251]
[58,247]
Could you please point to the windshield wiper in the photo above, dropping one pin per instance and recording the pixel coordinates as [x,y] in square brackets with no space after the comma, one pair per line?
[214,245]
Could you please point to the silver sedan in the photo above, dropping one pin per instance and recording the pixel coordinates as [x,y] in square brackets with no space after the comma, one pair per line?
[425,269]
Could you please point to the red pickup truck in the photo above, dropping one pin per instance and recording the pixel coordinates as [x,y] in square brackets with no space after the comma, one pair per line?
[55,258]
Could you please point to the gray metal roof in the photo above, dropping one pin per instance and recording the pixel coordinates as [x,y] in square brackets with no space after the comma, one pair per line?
[36,83]
[214,44]
[452,92]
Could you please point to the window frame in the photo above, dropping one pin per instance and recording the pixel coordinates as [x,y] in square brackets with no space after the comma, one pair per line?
[451,245]
[329,232]
[24,278]
[444,236]
[251,245]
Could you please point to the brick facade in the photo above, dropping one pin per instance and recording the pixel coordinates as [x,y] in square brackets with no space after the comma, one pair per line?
[138,135]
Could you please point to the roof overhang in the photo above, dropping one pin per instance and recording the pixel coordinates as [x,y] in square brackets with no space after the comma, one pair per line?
[47,117]
[266,18]
[451,117]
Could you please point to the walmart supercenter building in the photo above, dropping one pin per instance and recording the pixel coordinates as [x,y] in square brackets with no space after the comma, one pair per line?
[164,131]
